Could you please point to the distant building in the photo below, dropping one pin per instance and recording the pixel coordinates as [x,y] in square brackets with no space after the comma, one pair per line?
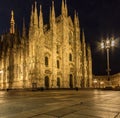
[115,79]
[101,81]
[50,56]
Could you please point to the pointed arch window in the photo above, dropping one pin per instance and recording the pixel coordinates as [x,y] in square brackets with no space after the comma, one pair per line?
[58,64]
[70,57]
[46,61]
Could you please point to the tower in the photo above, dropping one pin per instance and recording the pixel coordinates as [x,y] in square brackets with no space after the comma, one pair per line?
[40,53]
[54,37]
[65,48]
[89,58]
[77,50]
[84,61]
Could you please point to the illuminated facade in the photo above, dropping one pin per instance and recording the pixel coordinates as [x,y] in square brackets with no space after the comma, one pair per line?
[51,56]
[101,81]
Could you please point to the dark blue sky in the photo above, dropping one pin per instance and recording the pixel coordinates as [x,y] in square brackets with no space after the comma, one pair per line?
[99,18]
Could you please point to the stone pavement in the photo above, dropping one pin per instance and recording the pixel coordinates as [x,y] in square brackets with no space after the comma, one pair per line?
[60,104]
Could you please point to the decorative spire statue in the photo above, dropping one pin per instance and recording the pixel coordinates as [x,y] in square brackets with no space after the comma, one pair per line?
[41,20]
[12,23]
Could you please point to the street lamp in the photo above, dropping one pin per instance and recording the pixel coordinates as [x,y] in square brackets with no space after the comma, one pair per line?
[107,44]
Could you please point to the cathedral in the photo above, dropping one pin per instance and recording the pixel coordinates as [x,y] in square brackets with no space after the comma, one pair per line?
[54,55]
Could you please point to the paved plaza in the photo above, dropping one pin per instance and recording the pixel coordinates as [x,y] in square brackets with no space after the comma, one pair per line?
[60,104]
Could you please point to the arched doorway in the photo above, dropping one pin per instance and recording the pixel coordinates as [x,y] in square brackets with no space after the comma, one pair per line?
[71,81]
[46,82]
[82,83]
[58,82]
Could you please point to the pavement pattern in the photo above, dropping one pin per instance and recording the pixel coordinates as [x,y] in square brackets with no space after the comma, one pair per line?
[60,104]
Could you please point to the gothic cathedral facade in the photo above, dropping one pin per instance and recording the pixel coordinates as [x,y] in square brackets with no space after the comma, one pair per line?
[50,56]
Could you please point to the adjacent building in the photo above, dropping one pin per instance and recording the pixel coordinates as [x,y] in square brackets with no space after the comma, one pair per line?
[102,81]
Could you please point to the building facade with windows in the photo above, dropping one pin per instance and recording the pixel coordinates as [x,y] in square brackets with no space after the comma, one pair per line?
[102,81]
[54,55]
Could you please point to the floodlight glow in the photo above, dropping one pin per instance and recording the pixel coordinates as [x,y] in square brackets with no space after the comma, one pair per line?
[102,82]
[95,81]
[1,71]
[102,45]
[107,42]
[112,43]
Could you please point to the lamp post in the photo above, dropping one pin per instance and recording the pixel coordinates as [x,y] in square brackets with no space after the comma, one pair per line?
[107,44]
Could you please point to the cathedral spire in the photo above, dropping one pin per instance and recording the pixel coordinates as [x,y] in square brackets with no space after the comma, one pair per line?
[78,22]
[63,8]
[84,59]
[89,51]
[12,23]
[41,20]
[89,57]
[24,29]
[75,18]
[53,12]
[52,16]
[66,9]
[35,16]
[83,37]
[84,45]
[31,18]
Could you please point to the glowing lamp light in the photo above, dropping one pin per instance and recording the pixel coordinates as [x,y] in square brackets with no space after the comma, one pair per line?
[95,81]
[1,71]
[102,45]
[101,82]
[112,43]
[107,42]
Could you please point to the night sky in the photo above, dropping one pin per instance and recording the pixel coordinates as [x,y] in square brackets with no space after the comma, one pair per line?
[98,18]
